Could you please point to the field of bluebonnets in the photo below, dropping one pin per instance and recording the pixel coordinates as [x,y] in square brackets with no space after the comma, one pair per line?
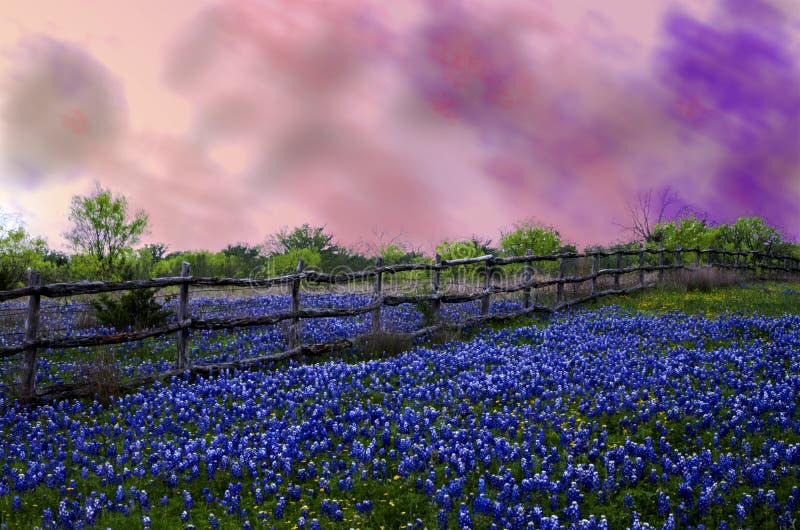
[595,418]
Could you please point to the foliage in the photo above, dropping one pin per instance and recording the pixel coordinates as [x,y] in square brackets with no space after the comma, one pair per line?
[460,249]
[344,260]
[751,233]
[427,313]
[467,248]
[394,254]
[302,237]
[540,240]
[689,232]
[101,228]
[157,251]
[137,308]
[83,267]
[282,264]
[317,248]
[746,234]
[207,264]
[18,252]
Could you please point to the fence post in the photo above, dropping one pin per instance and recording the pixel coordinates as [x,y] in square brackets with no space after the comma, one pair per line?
[697,258]
[594,271]
[560,291]
[526,277]
[641,264]
[183,314]
[661,261]
[736,260]
[678,255]
[294,327]
[487,278]
[28,380]
[376,313]
[616,270]
[435,281]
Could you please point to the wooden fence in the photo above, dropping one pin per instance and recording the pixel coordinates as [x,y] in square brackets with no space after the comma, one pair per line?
[755,263]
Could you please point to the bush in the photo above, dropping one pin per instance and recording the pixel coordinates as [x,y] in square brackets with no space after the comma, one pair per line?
[426,310]
[137,308]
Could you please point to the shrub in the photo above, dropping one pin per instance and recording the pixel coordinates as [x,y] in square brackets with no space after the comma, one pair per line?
[425,308]
[137,308]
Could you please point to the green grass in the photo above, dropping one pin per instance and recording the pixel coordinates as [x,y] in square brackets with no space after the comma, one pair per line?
[767,299]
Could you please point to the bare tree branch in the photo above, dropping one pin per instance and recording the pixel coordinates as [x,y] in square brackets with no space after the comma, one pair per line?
[649,211]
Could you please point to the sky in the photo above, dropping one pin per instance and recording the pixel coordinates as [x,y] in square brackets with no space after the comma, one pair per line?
[417,120]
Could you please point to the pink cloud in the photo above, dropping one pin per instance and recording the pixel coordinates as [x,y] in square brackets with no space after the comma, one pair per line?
[435,119]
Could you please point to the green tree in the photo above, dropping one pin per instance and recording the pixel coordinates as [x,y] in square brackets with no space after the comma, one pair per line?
[243,251]
[752,233]
[301,237]
[83,267]
[540,240]
[689,232]
[460,249]
[286,263]
[157,251]
[397,253]
[746,234]
[102,229]
[18,252]
[466,248]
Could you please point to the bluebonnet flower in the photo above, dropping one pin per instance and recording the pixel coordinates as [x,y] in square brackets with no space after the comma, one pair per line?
[441,518]
[460,407]
[464,518]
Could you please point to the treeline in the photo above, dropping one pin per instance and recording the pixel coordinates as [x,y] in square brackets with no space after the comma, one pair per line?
[104,236]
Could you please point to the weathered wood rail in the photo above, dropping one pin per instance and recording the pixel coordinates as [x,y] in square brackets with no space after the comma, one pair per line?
[756,263]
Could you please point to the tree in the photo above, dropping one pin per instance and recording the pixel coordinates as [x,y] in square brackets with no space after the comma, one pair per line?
[301,237]
[281,264]
[752,233]
[688,232]
[243,251]
[650,211]
[157,251]
[18,252]
[102,229]
[746,234]
[393,250]
[539,239]
[465,248]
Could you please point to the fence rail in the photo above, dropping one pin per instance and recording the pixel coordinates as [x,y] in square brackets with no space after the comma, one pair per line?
[753,262]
